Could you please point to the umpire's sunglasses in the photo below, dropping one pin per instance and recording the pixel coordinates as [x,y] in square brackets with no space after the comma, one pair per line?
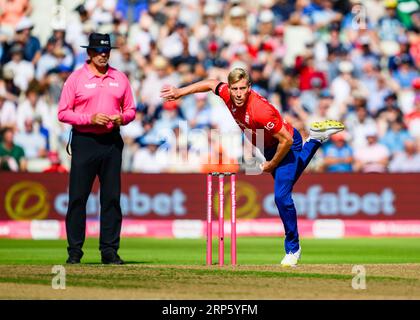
[101,50]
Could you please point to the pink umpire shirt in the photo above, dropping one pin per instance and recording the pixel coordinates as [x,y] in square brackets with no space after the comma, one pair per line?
[85,94]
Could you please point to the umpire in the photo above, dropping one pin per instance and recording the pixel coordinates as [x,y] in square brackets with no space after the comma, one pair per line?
[96,100]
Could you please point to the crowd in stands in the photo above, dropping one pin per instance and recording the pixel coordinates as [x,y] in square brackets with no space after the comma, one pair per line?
[357,61]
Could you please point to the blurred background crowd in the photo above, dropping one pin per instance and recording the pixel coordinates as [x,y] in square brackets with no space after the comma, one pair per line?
[351,60]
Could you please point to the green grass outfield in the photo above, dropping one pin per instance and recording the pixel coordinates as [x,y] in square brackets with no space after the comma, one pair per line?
[175,269]
[251,251]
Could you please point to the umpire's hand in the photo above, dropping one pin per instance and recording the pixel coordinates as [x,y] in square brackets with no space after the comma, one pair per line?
[100,119]
[116,119]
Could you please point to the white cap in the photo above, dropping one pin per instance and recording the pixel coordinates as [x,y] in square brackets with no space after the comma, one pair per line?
[57,24]
[266,3]
[266,16]
[238,64]
[146,22]
[345,66]
[371,131]
[160,62]
[24,23]
[212,8]
[237,11]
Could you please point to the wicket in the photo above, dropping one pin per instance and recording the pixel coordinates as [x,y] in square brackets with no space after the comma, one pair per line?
[221,234]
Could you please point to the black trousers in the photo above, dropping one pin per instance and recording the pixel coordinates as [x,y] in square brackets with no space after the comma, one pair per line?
[95,155]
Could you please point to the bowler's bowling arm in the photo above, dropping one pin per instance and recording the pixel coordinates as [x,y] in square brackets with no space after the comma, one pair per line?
[172,93]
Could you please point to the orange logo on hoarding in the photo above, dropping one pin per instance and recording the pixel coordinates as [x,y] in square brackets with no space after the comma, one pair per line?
[27,200]
[247,204]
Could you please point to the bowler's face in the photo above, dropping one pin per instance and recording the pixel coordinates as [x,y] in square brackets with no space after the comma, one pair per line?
[239,92]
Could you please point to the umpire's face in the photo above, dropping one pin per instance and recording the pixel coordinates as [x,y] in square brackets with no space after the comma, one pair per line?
[99,57]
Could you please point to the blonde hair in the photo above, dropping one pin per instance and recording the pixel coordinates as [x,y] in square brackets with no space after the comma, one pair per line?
[238,74]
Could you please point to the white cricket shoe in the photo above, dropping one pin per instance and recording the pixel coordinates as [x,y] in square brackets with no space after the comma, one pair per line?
[291,259]
[323,130]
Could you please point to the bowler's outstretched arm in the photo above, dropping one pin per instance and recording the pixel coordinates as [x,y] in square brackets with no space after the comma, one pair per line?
[172,93]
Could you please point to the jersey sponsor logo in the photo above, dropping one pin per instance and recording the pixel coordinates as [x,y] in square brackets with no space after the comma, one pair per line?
[90,85]
[114,84]
[269,126]
[247,118]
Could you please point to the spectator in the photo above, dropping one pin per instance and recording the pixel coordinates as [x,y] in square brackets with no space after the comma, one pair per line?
[75,31]
[168,116]
[68,58]
[130,133]
[149,159]
[396,136]
[403,55]
[375,99]
[55,162]
[33,107]
[389,26]
[209,28]
[22,70]
[7,111]
[322,111]
[50,58]
[363,56]
[234,31]
[259,79]
[31,44]
[338,155]
[405,74]
[101,11]
[369,78]
[341,86]
[131,10]
[12,156]
[157,77]
[308,73]
[198,112]
[7,85]
[179,43]
[12,12]
[388,113]
[139,36]
[373,157]
[413,118]
[359,122]
[188,54]
[32,141]
[408,160]
[54,81]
